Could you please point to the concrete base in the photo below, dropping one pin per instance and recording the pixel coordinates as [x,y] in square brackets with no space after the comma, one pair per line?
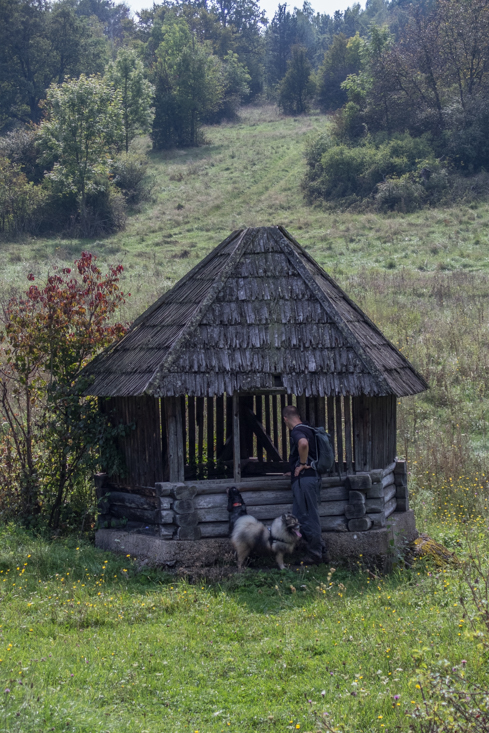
[377,547]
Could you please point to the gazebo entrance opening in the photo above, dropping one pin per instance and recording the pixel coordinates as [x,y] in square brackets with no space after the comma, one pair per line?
[193,438]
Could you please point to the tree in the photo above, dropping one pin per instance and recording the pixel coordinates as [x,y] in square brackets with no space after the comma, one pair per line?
[245,19]
[340,60]
[84,120]
[19,199]
[114,18]
[297,87]
[188,86]
[50,333]
[40,44]
[280,37]
[127,76]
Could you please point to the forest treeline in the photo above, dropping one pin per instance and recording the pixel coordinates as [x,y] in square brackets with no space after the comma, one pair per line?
[405,84]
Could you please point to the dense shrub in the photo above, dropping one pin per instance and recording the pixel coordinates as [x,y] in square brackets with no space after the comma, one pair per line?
[21,201]
[340,171]
[401,194]
[467,142]
[19,146]
[129,173]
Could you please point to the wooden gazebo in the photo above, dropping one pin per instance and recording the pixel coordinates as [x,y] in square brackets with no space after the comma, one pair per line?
[201,379]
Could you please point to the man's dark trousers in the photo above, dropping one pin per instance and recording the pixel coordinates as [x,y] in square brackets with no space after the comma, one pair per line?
[306,492]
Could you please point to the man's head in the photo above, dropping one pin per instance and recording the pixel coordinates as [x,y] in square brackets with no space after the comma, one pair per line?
[291,416]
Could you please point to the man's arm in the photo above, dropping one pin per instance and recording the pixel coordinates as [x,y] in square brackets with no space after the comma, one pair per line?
[303,447]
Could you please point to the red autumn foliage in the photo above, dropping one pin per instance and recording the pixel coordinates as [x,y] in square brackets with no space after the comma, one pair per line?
[50,333]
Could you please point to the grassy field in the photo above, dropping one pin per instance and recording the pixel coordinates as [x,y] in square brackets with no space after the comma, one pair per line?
[91,643]
[249,174]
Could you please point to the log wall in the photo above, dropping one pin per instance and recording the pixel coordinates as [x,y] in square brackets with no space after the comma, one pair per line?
[190,511]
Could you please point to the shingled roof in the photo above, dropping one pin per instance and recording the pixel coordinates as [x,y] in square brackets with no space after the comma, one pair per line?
[257,313]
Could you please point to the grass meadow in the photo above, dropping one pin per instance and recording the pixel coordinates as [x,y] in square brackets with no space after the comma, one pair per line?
[90,642]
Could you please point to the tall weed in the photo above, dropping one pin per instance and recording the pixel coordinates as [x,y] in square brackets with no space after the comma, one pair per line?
[440,323]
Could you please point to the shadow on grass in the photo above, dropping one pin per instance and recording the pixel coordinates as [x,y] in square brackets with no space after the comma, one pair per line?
[262,589]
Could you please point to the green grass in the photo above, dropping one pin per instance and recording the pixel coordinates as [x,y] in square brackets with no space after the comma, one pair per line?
[89,642]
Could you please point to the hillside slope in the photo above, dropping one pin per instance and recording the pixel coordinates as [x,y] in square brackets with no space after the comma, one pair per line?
[249,174]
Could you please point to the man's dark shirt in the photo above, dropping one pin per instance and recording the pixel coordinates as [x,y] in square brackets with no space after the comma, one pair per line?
[302,431]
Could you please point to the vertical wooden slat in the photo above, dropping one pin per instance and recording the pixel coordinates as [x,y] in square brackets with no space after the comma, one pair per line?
[180,453]
[247,433]
[164,441]
[236,440]
[175,442]
[283,429]
[259,416]
[362,433]
[321,412]
[191,431]
[156,440]
[311,411]
[183,408]
[219,424]
[393,429]
[339,433]
[301,406]
[200,425]
[357,433]
[330,419]
[229,416]
[268,421]
[348,443]
[275,422]
[368,433]
[210,434]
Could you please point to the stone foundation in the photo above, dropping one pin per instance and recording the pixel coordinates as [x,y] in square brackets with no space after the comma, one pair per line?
[377,547]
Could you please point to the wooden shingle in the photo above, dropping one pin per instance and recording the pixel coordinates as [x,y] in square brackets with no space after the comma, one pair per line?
[258,307]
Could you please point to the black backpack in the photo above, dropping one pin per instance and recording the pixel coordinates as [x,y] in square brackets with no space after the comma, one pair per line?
[324,450]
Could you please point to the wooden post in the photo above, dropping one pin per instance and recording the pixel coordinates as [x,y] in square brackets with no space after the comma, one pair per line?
[175,439]
[348,444]
[219,424]
[339,433]
[184,428]
[236,440]
[283,428]
[321,412]
[330,419]
[268,422]
[164,440]
[191,431]
[259,415]
[200,446]
[210,434]
[275,419]
[301,406]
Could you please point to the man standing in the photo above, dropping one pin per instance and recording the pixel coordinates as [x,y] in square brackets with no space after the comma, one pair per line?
[306,482]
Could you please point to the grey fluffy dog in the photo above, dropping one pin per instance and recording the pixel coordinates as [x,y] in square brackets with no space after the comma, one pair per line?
[249,535]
